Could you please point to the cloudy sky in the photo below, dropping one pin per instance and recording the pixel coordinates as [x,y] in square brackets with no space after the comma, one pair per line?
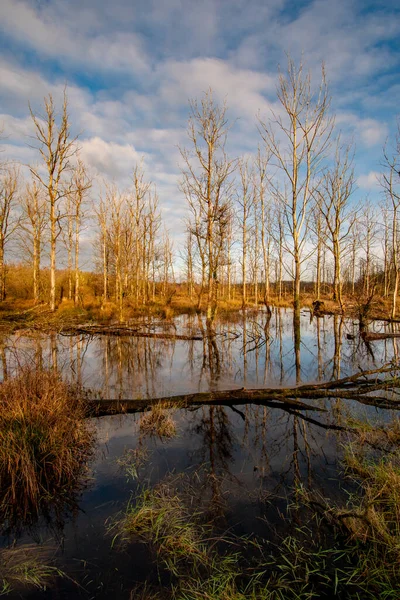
[132,65]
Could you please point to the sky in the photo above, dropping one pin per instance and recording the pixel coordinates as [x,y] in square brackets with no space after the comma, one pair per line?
[132,66]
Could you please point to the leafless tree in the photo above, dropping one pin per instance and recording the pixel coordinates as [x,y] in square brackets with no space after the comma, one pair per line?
[56,147]
[206,184]
[261,181]
[297,137]
[245,199]
[9,220]
[333,199]
[81,184]
[390,180]
[368,235]
[33,224]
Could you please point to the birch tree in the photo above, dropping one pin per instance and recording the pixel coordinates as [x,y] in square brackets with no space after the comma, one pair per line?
[56,147]
[297,137]
[33,223]
[8,219]
[206,184]
[334,203]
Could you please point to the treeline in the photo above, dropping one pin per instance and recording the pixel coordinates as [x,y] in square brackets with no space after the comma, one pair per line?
[287,212]
[284,213]
[45,218]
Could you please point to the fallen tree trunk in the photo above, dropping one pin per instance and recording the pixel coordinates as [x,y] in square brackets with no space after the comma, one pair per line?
[357,387]
[370,337]
[126,332]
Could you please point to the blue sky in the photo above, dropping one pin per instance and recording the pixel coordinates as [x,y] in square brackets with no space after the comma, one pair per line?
[131,67]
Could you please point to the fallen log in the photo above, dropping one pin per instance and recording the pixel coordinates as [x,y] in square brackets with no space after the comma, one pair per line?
[127,332]
[371,337]
[357,387]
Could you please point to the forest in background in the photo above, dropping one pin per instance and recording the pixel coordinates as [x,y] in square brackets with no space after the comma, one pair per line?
[260,229]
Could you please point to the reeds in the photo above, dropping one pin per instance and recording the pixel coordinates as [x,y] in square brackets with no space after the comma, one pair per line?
[44,443]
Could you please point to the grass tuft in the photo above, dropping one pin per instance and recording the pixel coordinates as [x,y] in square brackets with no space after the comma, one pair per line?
[158,422]
[44,443]
[159,518]
[26,566]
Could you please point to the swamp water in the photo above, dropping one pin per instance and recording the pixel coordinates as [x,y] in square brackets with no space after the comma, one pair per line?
[236,466]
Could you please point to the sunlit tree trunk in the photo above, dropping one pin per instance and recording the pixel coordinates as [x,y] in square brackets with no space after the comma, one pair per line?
[56,148]
[245,200]
[390,184]
[81,185]
[265,220]
[8,219]
[205,183]
[306,129]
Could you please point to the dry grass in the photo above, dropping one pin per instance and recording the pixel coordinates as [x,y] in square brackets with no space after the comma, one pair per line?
[44,442]
[158,422]
[373,460]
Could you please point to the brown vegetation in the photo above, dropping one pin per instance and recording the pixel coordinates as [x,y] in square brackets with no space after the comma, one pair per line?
[44,444]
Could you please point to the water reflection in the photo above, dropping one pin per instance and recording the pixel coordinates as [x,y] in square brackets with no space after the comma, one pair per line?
[248,349]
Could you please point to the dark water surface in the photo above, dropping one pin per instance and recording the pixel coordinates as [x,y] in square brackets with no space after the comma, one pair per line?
[240,467]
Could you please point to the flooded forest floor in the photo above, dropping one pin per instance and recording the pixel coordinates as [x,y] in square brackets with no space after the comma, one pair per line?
[151,460]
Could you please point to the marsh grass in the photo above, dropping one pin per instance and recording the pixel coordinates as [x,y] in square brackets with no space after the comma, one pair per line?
[158,422]
[26,566]
[368,522]
[133,460]
[372,461]
[351,550]
[205,565]
[160,519]
[44,444]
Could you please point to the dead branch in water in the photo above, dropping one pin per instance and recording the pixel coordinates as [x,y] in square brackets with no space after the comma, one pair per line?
[361,387]
[371,337]
[122,331]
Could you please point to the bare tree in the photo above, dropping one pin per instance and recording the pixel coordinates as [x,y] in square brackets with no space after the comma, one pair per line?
[137,204]
[205,183]
[368,234]
[81,184]
[304,125]
[56,147]
[8,219]
[319,232]
[103,219]
[265,219]
[245,199]
[33,223]
[333,200]
[390,182]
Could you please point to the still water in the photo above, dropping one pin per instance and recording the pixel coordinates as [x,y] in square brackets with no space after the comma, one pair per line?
[247,353]
[239,466]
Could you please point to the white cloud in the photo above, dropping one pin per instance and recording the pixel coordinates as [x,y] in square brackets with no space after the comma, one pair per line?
[243,89]
[364,131]
[50,36]
[112,160]
[368,181]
